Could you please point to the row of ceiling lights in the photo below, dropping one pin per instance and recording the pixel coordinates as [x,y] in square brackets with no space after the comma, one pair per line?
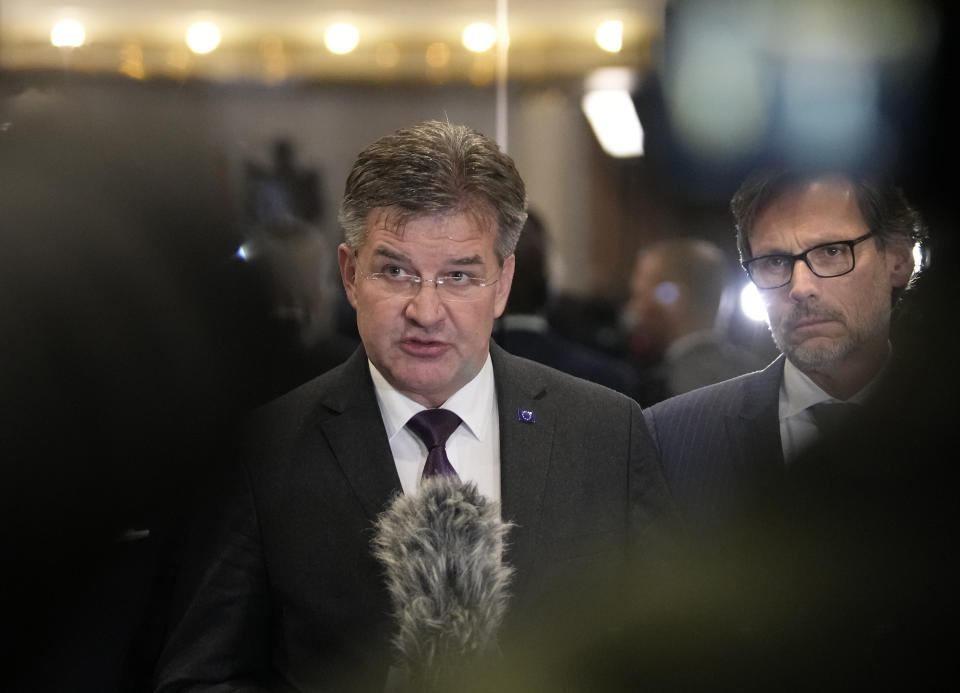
[607,102]
[204,37]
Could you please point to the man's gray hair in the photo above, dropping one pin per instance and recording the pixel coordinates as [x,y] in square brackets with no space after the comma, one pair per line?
[435,168]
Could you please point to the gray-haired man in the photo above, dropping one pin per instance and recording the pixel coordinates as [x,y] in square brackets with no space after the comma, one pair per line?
[289,592]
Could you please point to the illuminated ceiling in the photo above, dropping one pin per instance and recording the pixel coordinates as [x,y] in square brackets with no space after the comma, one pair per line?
[264,41]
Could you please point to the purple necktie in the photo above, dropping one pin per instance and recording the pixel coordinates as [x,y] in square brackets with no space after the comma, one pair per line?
[433,427]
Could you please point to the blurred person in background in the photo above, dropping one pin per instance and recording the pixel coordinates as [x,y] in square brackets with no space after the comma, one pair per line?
[296,264]
[675,293]
[525,331]
[283,190]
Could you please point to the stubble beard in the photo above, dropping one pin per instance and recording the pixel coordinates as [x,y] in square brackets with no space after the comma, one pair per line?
[820,356]
[811,358]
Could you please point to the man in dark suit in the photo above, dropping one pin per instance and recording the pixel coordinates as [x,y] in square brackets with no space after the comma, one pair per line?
[831,256]
[287,595]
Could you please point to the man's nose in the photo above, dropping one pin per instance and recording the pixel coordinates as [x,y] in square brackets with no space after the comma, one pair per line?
[425,307]
[804,282]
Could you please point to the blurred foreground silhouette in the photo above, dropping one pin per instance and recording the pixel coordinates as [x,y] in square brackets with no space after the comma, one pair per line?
[129,348]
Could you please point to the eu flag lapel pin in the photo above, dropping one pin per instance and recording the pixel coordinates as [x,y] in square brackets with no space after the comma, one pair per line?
[525,415]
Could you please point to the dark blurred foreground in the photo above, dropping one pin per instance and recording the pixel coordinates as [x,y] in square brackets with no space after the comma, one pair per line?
[130,347]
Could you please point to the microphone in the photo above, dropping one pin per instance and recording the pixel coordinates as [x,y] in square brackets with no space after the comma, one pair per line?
[442,552]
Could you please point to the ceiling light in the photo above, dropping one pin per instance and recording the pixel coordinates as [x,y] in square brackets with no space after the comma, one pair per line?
[341,38]
[609,107]
[67,33]
[609,36]
[203,37]
[438,55]
[614,121]
[388,55]
[479,37]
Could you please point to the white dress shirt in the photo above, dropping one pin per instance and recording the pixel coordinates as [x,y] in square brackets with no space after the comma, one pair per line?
[797,394]
[473,448]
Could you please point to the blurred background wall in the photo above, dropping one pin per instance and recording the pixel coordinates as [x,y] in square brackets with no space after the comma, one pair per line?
[718,87]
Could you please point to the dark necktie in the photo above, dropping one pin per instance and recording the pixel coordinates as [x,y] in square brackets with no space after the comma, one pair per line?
[433,427]
[830,416]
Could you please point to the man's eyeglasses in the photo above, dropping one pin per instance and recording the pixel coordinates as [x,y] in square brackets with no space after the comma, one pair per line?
[458,286]
[825,260]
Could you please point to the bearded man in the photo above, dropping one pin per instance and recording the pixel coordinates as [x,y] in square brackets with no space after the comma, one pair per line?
[831,256]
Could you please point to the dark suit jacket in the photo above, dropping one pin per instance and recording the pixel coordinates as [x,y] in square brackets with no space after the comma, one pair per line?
[289,594]
[720,445]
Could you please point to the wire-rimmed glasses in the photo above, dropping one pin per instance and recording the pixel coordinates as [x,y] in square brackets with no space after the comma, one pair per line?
[456,286]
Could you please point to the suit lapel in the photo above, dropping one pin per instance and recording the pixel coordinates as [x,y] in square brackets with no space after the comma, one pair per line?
[354,429]
[754,427]
[524,452]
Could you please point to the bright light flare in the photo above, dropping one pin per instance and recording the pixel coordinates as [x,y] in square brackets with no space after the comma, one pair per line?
[919,258]
[203,37]
[666,293]
[751,304]
[609,36]
[614,121]
[68,33]
[479,37]
[341,38]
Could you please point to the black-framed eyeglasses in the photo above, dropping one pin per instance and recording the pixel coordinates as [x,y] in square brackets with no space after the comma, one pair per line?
[458,286]
[826,260]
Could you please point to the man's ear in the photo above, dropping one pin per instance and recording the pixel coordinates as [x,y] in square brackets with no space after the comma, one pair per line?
[503,285]
[348,272]
[900,263]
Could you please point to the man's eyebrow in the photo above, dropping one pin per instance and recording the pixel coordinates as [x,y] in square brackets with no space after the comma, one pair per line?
[392,255]
[775,250]
[472,260]
[815,244]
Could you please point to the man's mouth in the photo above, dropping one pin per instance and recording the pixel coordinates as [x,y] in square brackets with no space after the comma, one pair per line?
[424,348]
[805,317]
[809,321]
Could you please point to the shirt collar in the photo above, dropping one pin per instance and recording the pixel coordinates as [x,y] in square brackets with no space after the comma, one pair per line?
[470,402]
[800,392]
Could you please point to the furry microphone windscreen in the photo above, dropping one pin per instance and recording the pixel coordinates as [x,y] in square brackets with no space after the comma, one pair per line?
[442,550]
